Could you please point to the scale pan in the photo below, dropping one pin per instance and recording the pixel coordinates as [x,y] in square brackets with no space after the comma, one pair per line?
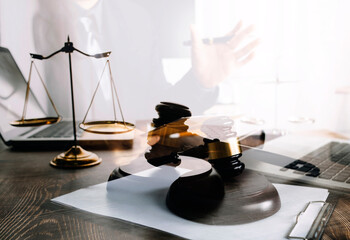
[35,122]
[107,127]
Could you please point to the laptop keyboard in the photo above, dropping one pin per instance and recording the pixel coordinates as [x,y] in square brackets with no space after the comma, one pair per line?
[331,161]
[62,129]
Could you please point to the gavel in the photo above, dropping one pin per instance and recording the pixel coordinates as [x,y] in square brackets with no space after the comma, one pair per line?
[171,139]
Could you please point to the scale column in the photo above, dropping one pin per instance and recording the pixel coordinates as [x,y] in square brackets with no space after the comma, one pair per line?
[72,96]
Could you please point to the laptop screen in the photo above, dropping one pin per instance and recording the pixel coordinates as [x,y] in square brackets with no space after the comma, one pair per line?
[12,96]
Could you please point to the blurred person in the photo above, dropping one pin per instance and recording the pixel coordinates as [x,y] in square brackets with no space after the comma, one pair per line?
[125,28]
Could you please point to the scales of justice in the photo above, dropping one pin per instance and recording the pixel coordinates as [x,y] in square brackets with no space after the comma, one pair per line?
[76,156]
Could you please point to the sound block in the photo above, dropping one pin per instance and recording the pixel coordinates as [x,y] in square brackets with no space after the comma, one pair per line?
[196,194]
[202,196]
[248,198]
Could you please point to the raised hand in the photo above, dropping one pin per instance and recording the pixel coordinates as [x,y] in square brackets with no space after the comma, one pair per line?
[213,63]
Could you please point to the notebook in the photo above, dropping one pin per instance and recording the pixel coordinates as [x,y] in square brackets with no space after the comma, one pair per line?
[60,135]
[319,161]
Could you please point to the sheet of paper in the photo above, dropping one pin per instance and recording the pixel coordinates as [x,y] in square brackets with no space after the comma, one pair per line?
[141,199]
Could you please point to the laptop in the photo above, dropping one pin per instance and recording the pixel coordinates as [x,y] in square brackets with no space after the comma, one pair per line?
[57,136]
[317,160]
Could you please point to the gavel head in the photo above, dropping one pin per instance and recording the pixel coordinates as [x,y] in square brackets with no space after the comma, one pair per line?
[172,136]
[224,157]
[169,112]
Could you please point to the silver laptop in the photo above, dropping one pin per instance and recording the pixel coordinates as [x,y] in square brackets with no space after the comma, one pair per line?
[12,93]
[319,161]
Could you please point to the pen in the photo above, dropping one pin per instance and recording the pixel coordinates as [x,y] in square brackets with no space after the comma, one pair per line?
[211,40]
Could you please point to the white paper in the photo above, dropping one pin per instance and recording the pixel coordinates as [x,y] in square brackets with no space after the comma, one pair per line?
[141,199]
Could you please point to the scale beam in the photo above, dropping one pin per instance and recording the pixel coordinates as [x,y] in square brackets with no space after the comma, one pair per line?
[69,48]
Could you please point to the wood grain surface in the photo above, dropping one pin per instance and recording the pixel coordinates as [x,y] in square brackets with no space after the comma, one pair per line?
[28,183]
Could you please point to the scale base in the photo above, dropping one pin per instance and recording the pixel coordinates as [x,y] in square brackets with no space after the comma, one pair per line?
[76,157]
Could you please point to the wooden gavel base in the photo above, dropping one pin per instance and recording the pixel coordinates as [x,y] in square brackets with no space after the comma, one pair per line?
[247,198]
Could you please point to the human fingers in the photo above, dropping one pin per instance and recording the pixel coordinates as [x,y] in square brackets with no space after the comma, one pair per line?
[240,36]
[196,40]
[236,29]
[246,49]
[246,59]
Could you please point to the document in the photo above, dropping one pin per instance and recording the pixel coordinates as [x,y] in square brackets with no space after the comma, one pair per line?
[145,193]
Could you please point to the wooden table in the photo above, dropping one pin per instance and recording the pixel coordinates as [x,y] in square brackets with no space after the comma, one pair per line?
[28,183]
